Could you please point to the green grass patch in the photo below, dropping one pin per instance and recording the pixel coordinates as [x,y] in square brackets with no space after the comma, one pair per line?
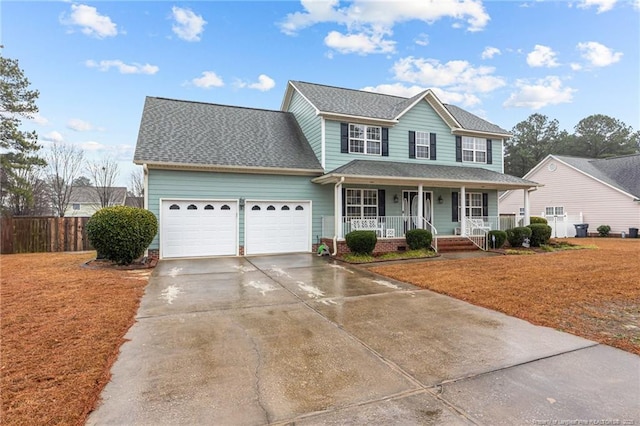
[409,254]
[519,252]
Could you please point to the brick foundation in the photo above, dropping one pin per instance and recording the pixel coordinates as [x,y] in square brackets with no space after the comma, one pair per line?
[384,245]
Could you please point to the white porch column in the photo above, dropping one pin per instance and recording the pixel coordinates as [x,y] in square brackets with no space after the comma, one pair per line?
[337,207]
[463,210]
[420,206]
[527,215]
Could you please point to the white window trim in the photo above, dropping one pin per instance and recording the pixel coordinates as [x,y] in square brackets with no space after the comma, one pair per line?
[362,205]
[475,150]
[468,207]
[555,211]
[426,144]
[365,139]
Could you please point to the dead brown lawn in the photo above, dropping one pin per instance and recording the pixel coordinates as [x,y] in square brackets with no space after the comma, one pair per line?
[61,327]
[593,293]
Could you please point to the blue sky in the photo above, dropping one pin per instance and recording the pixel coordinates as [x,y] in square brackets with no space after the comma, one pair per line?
[94,62]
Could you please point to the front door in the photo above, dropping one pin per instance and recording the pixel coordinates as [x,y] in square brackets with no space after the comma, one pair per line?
[410,208]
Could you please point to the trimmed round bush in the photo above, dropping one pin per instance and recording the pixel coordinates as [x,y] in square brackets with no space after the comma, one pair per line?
[122,234]
[603,230]
[418,239]
[517,235]
[500,238]
[538,219]
[361,242]
[540,234]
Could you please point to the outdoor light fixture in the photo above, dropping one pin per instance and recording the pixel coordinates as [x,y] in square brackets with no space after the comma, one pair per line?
[395,199]
[241,203]
[440,200]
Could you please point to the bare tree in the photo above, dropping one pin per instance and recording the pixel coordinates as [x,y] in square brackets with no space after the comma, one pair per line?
[104,174]
[136,186]
[64,164]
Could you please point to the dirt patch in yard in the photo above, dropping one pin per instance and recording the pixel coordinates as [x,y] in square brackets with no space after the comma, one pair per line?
[593,293]
[62,325]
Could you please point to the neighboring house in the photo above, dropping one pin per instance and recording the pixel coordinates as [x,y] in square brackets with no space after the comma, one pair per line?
[132,201]
[582,191]
[84,200]
[226,180]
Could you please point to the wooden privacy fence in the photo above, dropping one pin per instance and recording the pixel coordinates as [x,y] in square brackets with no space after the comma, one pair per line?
[43,234]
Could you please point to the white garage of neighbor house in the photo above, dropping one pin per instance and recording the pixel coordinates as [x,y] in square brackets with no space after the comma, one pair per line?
[577,190]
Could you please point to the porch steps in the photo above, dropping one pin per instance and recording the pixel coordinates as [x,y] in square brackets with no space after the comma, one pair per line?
[447,245]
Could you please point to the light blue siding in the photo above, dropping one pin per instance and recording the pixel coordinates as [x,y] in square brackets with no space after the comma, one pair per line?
[309,122]
[420,118]
[207,185]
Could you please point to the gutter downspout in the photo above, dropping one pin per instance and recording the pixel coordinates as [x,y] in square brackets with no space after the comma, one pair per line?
[336,211]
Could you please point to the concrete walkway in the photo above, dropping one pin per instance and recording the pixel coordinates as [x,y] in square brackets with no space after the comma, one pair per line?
[297,338]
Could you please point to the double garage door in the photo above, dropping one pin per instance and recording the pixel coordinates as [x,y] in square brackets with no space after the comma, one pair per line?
[197,228]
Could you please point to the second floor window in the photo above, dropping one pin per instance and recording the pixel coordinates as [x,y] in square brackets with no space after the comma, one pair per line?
[474,150]
[422,145]
[365,139]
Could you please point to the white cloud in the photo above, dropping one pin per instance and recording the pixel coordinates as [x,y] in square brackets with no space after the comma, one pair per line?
[489,52]
[91,22]
[542,56]
[457,76]
[208,80]
[602,5]
[543,92]
[264,83]
[79,125]
[93,146]
[123,68]
[423,39]
[369,22]
[38,119]
[361,43]
[575,66]
[188,26]
[379,14]
[53,136]
[455,98]
[598,54]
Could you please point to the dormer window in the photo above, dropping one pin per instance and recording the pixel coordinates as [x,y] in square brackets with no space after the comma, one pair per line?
[365,139]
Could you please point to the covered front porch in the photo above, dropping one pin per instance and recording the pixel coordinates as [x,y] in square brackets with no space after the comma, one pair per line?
[393,198]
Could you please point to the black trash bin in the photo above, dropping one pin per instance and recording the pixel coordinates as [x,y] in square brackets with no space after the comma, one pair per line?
[581,230]
[633,232]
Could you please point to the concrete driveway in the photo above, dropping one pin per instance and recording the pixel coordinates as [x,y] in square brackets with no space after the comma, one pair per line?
[300,339]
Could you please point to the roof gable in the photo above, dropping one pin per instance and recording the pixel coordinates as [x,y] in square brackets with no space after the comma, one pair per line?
[329,100]
[174,132]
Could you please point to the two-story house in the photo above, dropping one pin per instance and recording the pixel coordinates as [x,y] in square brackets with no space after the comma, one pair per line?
[226,180]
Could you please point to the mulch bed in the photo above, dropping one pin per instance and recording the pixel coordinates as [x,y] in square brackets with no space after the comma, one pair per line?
[593,293]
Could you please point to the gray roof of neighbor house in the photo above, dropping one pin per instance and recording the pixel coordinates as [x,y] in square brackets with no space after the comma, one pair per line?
[621,172]
[195,133]
[88,194]
[361,103]
[428,172]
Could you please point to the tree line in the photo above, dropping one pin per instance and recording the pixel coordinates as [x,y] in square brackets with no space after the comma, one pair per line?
[33,182]
[596,136]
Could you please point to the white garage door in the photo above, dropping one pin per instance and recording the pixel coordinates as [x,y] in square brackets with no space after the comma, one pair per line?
[192,228]
[277,227]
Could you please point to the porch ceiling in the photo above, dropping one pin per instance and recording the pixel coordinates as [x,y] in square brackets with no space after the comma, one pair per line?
[413,174]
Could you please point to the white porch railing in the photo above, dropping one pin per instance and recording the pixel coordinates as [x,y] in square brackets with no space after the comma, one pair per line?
[384,226]
[476,231]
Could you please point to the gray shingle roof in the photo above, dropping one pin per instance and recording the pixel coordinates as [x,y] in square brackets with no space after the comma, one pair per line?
[196,133]
[620,172]
[420,171]
[473,122]
[360,103]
